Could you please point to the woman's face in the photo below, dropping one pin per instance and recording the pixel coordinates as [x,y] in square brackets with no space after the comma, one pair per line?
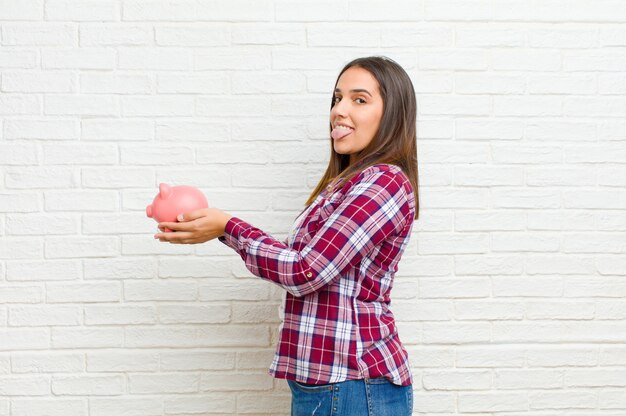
[361,110]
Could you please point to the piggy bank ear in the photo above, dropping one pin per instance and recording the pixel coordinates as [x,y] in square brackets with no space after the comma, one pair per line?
[164,191]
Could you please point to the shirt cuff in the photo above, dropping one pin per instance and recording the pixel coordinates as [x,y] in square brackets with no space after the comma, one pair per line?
[233,228]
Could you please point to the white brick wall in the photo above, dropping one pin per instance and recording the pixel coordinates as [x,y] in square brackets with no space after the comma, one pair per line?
[509,298]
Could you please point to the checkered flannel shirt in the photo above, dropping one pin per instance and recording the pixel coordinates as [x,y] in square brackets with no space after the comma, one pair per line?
[337,267]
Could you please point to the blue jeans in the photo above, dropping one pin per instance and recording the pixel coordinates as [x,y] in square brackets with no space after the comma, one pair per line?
[368,397]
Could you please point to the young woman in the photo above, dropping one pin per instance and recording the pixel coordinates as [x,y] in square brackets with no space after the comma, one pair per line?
[339,347]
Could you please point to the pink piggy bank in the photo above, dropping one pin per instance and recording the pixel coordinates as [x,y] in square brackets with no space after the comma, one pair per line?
[174,200]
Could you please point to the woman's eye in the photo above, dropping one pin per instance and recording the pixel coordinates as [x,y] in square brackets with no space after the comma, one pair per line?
[335,99]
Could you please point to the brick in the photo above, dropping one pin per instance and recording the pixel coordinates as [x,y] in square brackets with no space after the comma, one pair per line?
[254,359]
[120,315]
[51,407]
[267,82]
[453,244]
[314,11]
[194,84]
[154,106]
[457,380]
[115,84]
[457,10]
[577,286]
[48,362]
[193,131]
[131,406]
[24,316]
[489,356]
[116,178]
[488,176]
[83,105]
[220,403]
[454,333]
[243,58]
[117,129]
[13,339]
[43,270]
[197,360]
[21,294]
[122,361]
[30,82]
[187,10]
[21,10]
[194,313]
[410,35]
[488,310]
[593,60]
[192,35]
[88,385]
[83,58]
[120,268]
[80,154]
[251,313]
[424,310]
[83,292]
[148,58]
[453,59]
[492,402]
[86,338]
[18,58]
[163,383]
[115,34]
[268,34]
[16,104]
[239,382]
[563,399]
[493,35]
[579,11]
[36,177]
[477,83]
[455,105]
[15,248]
[253,290]
[165,290]
[516,242]
[613,84]
[559,356]
[18,155]
[41,129]
[577,37]
[342,35]
[91,10]
[560,310]
[24,386]
[38,34]
[87,200]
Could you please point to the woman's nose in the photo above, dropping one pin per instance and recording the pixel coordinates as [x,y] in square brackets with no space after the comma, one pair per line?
[339,108]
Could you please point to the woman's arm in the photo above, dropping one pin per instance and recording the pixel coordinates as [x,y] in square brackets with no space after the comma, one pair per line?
[374,208]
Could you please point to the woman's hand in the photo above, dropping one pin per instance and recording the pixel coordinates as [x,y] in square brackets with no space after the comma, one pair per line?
[195,227]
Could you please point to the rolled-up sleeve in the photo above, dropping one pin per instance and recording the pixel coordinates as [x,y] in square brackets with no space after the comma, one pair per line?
[374,208]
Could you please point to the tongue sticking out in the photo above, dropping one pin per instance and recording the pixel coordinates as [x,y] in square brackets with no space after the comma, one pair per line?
[339,133]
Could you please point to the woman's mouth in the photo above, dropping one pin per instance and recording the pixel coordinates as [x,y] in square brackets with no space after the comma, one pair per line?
[340,132]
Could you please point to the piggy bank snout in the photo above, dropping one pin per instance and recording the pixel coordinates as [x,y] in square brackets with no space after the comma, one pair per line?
[149,211]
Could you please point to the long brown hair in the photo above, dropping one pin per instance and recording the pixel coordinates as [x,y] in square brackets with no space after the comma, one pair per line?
[395,142]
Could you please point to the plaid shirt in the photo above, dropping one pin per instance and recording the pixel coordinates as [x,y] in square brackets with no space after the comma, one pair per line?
[337,268]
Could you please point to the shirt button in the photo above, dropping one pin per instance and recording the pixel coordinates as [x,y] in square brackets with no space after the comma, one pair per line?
[309,274]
